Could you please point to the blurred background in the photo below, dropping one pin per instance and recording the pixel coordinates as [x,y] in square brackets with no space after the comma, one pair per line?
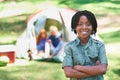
[13,17]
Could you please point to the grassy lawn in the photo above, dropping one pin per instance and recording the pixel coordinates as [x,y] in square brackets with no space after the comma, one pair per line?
[11,27]
[113,72]
[111,37]
[33,71]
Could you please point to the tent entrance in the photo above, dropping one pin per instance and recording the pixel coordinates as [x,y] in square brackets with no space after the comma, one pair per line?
[50,22]
[43,22]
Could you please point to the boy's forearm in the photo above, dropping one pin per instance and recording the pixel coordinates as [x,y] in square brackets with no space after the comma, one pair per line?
[72,73]
[92,70]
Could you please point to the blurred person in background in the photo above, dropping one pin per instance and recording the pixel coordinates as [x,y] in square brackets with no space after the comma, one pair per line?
[55,41]
[41,40]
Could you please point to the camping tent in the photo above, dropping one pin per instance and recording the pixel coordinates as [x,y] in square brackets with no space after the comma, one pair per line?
[60,17]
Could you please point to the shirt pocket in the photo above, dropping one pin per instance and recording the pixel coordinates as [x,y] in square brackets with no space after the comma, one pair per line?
[93,55]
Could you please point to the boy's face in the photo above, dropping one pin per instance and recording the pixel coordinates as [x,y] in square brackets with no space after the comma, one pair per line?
[53,33]
[84,27]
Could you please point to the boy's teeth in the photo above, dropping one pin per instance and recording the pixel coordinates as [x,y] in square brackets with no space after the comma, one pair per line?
[84,32]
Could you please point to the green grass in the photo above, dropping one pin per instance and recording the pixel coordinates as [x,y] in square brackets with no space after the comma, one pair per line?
[113,72]
[100,7]
[33,71]
[11,28]
[111,37]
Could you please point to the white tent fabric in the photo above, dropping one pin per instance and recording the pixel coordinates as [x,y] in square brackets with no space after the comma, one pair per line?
[28,39]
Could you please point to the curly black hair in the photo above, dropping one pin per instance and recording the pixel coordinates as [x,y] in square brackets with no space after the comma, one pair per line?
[89,15]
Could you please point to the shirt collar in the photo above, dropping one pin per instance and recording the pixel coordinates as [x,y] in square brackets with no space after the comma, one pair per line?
[78,42]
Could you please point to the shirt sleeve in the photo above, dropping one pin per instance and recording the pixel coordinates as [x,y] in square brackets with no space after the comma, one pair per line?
[102,54]
[68,56]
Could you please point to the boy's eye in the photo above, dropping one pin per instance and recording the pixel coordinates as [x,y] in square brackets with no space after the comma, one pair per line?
[88,24]
[79,24]
[85,24]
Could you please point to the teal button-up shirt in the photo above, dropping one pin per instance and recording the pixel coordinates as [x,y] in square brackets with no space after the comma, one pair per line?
[78,54]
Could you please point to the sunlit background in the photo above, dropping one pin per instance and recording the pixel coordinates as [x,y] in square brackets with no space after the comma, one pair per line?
[13,22]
